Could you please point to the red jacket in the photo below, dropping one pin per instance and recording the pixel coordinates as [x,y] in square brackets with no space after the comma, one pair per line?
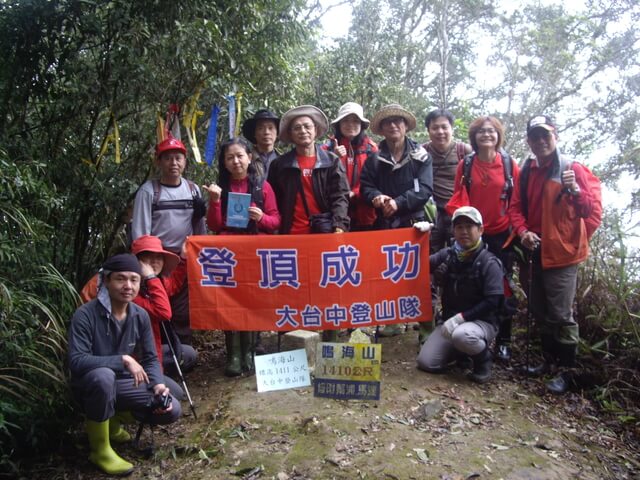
[559,218]
[360,212]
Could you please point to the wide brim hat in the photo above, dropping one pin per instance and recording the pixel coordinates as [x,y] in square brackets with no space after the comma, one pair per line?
[249,125]
[392,110]
[351,108]
[319,119]
[151,243]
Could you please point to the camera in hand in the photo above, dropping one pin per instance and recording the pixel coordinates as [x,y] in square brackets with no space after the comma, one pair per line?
[159,402]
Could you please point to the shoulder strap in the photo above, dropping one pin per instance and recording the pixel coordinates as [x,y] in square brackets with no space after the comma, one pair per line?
[194,190]
[508,176]
[156,193]
[466,171]
[524,181]
[257,192]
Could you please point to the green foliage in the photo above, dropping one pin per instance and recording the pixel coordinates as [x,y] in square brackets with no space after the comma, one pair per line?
[71,69]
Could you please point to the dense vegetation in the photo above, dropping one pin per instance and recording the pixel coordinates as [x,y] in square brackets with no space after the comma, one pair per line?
[74,71]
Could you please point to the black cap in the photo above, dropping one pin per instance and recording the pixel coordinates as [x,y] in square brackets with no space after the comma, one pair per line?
[124,262]
[540,121]
[249,125]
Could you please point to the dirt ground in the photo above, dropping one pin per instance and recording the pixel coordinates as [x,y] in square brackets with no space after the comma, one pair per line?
[424,426]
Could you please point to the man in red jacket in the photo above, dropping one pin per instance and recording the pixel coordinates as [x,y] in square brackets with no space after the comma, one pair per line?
[555,207]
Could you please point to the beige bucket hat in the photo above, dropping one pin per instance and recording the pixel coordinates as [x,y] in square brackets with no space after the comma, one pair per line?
[392,110]
[319,119]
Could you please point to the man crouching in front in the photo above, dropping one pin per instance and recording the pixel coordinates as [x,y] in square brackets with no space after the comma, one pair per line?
[114,365]
[472,292]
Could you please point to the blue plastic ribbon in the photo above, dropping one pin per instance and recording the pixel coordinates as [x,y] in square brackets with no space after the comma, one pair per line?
[210,145]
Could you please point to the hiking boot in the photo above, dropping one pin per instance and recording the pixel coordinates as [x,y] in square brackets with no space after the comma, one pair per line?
[233,367]
[463,361]
[329,336]
[482,363]
[560,384]
[391,330]
[503,352]
[247,344]
[537,370]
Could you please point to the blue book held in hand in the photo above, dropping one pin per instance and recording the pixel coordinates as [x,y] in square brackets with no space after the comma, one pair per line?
[238,210]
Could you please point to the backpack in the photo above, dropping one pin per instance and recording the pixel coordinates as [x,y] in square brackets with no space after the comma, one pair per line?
[509,306]
[507,189]
[196,203]
[595,188]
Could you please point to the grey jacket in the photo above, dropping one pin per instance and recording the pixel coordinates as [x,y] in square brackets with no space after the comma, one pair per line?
[94,341]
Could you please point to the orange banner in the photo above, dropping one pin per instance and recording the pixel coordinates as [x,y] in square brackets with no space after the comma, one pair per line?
[311,282]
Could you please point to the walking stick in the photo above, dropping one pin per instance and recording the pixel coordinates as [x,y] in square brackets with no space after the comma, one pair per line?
[179,370]
[529,314]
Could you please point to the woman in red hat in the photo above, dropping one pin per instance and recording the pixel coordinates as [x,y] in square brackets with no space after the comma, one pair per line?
[238,175]
[163,275]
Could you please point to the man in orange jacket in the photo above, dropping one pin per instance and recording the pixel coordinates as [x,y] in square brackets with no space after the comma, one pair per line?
[555,208]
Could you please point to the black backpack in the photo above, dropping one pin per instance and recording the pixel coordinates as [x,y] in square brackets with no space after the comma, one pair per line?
[507,190]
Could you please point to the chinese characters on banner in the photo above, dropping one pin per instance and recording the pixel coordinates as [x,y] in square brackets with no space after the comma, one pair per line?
[348,371]
[311,282]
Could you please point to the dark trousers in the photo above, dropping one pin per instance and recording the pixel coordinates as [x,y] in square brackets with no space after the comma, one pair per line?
[100,394]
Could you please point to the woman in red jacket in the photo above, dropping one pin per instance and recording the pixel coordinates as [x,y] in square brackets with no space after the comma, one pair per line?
[489,185]
[353,147]
[237,174]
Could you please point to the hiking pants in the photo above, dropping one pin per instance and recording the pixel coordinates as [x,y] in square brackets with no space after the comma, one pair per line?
[100,393]
[470,338]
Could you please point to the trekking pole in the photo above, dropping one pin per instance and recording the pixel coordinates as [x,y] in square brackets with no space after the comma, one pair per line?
[529,314]
[179,370]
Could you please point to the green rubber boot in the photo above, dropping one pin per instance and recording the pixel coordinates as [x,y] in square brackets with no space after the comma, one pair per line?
[329,336]
[424,330]
[233,368]
[102,455]
[248,344]
[117,434]
[391,330]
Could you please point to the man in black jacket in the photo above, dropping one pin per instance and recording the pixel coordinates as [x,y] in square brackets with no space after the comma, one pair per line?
[114,364]
[473,291]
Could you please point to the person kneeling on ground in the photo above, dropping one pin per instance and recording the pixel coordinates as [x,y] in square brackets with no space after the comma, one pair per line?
[473,290]
[106,379]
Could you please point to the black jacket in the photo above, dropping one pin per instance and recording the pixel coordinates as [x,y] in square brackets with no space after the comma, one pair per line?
[330,187]
[409,182]
[94,342]
[474,287]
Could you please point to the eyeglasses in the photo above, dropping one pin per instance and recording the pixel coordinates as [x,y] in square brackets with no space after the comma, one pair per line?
[394,120]
[487,131]
[302,126]
[539,134]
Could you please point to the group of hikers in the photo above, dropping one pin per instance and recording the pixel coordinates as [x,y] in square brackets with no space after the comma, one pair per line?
[486,208]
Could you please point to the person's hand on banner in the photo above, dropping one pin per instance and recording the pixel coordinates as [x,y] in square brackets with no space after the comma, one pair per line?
[423,226]
[451,324]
